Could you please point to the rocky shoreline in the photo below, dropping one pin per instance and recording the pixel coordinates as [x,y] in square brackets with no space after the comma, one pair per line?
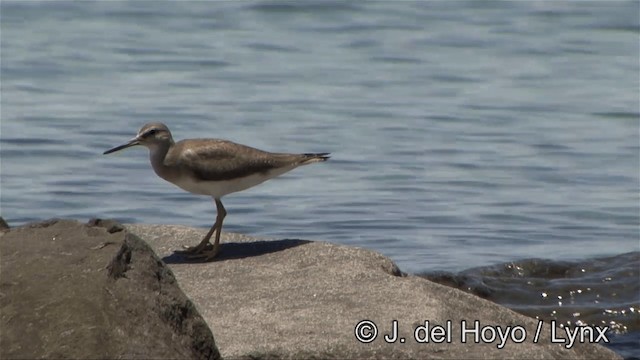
[103,290]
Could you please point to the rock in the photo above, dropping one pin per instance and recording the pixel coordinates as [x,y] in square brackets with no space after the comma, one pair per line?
[296,299]
[3,224]
[60,299]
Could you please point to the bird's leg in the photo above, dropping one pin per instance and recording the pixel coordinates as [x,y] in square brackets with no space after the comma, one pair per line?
[199,249]
[201,246]
[210,254]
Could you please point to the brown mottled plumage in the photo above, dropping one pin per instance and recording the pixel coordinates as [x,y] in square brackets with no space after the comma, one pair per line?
[212,167]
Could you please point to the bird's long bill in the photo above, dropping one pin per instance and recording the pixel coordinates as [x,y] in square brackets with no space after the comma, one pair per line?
[132,142]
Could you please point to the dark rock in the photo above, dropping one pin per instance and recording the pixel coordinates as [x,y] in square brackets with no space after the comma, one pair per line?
[111,225]
[3,224]
[463,282]
[120,263]
[41,224]
[59,300]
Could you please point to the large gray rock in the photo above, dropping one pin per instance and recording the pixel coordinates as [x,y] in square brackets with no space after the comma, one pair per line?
[300,299]
[71,290]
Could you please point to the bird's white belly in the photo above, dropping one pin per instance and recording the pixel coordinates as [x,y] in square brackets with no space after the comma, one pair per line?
[218,189]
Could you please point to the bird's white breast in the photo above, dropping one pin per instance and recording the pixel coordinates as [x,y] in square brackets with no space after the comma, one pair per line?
[218,189]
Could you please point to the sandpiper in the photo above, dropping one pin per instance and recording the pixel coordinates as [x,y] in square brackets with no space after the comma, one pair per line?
[212,167]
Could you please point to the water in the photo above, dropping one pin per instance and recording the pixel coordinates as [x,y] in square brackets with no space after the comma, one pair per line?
[599,292]
[463,134]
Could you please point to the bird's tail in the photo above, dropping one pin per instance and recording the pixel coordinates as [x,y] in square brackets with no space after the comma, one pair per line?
[314,158]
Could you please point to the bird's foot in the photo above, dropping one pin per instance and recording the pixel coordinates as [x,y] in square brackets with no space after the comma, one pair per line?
[206,254]
[193,250]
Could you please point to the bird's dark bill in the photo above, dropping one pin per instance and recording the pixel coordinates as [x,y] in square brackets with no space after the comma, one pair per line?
[131,143]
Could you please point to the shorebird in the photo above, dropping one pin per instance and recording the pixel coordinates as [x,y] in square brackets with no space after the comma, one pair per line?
[212,167]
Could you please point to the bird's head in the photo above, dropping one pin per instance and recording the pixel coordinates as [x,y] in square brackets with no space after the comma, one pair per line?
[151,135]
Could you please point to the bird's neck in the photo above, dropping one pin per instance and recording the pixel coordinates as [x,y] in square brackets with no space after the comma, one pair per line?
[157,154]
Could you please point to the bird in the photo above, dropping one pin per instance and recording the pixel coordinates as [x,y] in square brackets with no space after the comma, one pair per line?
[213,167]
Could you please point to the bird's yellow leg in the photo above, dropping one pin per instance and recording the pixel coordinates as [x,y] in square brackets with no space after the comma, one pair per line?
[200,249]
[209,254]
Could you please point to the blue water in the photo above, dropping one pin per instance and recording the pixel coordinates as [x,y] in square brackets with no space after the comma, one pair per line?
[463,134]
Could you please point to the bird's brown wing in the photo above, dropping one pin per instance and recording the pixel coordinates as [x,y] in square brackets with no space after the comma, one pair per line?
[219,160]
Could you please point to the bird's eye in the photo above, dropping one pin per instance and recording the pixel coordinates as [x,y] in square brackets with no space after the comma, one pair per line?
[151,132]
